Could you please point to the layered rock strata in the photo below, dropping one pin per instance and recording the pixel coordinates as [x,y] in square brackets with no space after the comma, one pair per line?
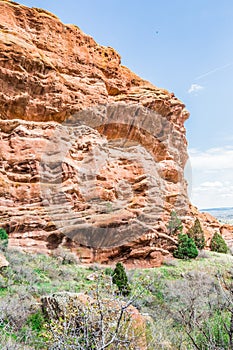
[92,156]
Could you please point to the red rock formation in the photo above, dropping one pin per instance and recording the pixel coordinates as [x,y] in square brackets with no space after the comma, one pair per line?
[92,156]
[49,70]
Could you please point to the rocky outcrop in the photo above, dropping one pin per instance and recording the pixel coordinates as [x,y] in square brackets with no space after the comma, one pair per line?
[100,321]
[211,225]
[92,156]
[3,261]
[50,70]
[94,190]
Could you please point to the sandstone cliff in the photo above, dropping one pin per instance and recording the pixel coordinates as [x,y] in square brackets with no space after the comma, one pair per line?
[92,156]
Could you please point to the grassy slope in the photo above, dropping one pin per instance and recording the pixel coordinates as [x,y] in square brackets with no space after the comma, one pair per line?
[30,276]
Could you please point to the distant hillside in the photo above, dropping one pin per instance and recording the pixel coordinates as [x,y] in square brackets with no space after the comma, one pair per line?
[222,214]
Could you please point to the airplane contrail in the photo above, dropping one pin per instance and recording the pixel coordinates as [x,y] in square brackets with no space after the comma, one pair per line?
[214,70]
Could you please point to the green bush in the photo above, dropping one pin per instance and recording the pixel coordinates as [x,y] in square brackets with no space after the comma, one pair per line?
[218,244]
[174,225]
[36,321]
[214,332]
[108,271]
[197,234]
[186,248]
[3,238]
[120,278]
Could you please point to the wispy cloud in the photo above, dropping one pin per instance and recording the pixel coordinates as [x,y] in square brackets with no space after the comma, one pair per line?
[212,182]
[195,88]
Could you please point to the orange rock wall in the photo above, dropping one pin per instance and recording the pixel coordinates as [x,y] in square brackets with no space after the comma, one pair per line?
[92,156]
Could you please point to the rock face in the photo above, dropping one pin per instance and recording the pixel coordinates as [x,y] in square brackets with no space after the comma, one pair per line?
[49,70]
[92,156]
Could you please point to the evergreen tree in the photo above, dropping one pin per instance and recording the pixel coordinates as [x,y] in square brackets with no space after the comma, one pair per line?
[218,244]
[3,238]
[174,225]
[186,248]
[120,278]
[197,234]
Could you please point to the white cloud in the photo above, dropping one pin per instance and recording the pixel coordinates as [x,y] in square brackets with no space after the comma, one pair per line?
[212,184]
[195,88]
[212,181]
[212,159]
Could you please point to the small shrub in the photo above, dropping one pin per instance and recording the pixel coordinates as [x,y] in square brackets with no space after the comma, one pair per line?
[186,248]
[174,225]
[197,234]
[218,244]
[65,256]
[3,283]
[15,310]
[120,278]
[3,239]
[8,341]
[213,333]
[95,267]
[36,321]
[108,271]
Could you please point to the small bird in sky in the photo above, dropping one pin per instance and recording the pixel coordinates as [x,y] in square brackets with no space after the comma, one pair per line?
[157,32]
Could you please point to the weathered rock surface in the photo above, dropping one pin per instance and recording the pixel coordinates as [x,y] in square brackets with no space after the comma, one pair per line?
[3,261]
[92,156]
[49,70]
[95,191]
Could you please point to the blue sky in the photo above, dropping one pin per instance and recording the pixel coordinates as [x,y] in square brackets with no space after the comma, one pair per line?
[185,47]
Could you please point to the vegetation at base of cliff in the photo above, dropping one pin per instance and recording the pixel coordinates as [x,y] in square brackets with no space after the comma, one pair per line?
[188,303]
[197,234]
[174,225]
[218,244]
[119,277]
[3,239]
[186,248]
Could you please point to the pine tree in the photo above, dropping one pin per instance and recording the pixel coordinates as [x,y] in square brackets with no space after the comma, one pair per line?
[218,244]
[186,248]
[197,234]
[120,278]
[174,225]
